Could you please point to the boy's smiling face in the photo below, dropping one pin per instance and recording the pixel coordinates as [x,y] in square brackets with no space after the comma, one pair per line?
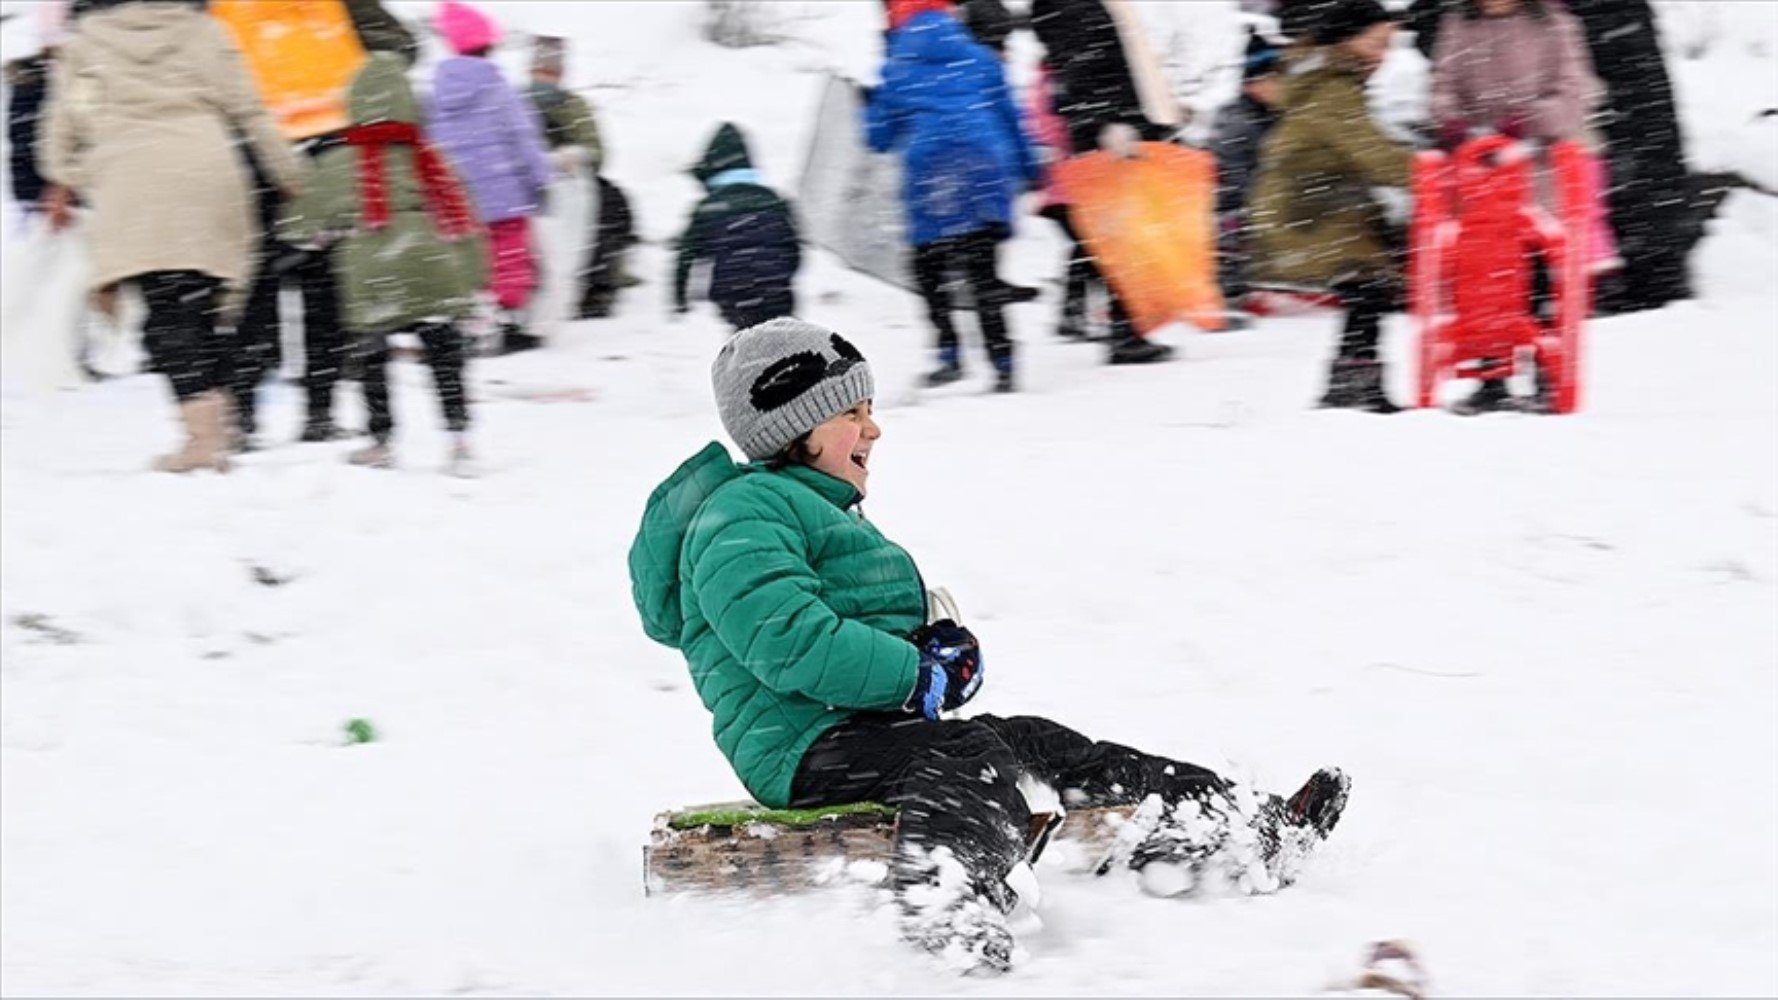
[841,445]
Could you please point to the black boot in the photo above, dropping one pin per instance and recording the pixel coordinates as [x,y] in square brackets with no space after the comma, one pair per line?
[1134,350]
[1490,397]
[1003,372]
[1318,804]
[513,339]
[317,429]
[1357,384]
[950,368]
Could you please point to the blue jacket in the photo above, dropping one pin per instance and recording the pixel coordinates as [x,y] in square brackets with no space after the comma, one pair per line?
[944,105]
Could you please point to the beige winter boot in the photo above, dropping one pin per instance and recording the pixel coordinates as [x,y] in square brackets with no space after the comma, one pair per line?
[205,417]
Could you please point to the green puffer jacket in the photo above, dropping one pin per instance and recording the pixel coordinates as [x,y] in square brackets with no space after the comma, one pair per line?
[792,611]
[406,272]
[1312,213]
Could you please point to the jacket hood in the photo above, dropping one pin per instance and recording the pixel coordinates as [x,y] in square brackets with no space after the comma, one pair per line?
[381,92]
[1314,68]
[463,81]
[143,32]
[934,36]
[666,519]
[727,151]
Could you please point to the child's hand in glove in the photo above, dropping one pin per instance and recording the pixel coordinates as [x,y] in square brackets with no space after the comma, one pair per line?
[950,668]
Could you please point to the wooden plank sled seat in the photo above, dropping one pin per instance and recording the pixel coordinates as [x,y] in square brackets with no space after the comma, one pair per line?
[745,847]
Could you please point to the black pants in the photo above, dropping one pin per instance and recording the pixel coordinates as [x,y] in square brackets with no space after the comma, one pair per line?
[1082,273]
[1367,300]
[754,311]
[975,255]
[614,231]
[180,333]
[956,781]
[443,343]
[258,335]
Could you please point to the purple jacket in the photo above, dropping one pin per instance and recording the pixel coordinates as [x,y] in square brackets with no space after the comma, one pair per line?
[491,136]
[1535,68]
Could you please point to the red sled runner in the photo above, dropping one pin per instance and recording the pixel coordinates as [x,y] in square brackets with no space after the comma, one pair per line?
[1477,230]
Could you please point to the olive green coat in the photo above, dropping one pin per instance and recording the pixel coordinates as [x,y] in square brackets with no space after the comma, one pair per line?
[1313,216]
[406,272]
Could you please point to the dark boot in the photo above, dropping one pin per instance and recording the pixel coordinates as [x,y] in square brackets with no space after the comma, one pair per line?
[1003,372]
[950,369]
[1490,397]
[1134,350]
[1357,384]
[514,339]
[317,429]
[1012,294]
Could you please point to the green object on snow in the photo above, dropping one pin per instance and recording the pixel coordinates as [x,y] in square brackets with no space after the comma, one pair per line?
[735,815]
[360,731]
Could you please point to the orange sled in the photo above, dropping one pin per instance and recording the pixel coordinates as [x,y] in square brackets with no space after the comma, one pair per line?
[1148,222]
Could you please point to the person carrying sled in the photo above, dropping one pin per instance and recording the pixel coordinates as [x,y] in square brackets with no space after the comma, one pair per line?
[1518,68]
[1236,136]
[494,140]
[303,54]
[1105,100]
[1314,220]
[571,131]
[146,103]
[745,232]
[945,107]
[809,636]
[408,251]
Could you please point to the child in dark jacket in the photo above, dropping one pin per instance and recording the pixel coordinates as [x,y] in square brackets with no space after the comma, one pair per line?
[1241,128]
[745,231]
[410,256]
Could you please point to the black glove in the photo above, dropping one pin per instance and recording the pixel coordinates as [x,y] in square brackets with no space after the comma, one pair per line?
[948,646]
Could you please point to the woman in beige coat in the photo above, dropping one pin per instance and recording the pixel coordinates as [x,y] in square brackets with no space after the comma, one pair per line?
[144,105]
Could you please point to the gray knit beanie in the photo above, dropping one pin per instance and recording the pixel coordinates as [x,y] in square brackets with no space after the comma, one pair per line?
[781,379]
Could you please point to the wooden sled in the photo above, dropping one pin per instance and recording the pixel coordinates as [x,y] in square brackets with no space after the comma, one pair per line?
[747,848]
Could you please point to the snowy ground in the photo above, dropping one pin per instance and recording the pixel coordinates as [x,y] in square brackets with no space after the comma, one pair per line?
[1546,648]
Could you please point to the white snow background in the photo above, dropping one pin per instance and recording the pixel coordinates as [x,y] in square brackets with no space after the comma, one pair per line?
[1545,648]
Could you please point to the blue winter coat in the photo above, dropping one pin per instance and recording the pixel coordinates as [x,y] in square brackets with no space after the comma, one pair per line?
[944,105]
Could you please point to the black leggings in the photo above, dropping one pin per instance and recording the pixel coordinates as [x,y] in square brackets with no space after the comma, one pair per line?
[976,255]
[443,343]
[956,781]
[180,332]
[259,334]
[1082,272]
[1367,301]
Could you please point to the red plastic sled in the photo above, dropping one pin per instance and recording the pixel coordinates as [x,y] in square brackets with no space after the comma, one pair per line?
[1477,227]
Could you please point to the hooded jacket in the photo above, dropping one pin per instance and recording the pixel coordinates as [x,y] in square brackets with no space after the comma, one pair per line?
[145,102]
[406,270]
[1313,217]
[742,227]
[492,135]
[945,107]
[793,612]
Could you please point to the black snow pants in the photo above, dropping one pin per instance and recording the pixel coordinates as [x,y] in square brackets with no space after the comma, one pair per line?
[956,782]
[1083,272]
[976,256]
[180,332]
[444,347]
[258,334]
[614,232]
[754,311]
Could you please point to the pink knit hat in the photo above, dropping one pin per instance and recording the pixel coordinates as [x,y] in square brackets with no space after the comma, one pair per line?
[464,28]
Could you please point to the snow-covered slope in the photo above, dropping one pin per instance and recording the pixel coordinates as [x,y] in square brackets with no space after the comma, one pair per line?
[1545,648]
